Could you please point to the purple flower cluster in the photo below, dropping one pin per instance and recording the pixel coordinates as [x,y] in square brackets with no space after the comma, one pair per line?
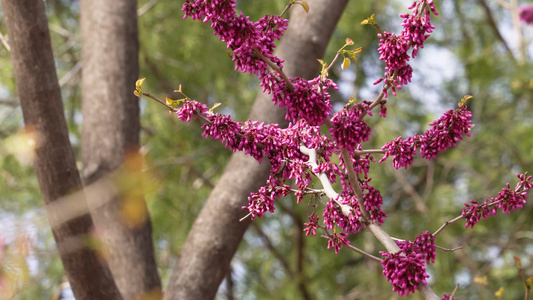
[263,200]
[525,14]
[401,150]
[312,226]
[308,100]
[443,134]
[242,36]
[393,48]
[334,216]
[508,200]
[361,163]
[404,270]
[336,240]
[222,127]
[373,201]
[191,109]
[424,244]
[348,127]
[448,297]
[416,27]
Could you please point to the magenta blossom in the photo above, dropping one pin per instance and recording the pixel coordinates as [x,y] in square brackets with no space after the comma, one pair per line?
[336,240]
[508,200]
[443,134]
[312,226]
[348,127]
[526,14]
[405,271]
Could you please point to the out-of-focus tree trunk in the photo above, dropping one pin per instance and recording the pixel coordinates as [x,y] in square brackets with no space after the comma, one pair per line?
[217,232]
[55,164]
[110,141]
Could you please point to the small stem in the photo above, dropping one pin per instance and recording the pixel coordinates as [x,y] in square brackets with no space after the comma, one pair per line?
[274,67]
[446,224]
[286,8]
[333,61]
[365,254]
[385,88]
[362,152]
[244,218]
[172,109]
[449,250]
[355,249]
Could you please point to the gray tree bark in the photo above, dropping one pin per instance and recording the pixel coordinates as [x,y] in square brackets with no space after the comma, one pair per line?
[217,232]
[55,164]
[110,136]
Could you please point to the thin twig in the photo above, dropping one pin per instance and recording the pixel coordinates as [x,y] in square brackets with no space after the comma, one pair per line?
[369,151]
[449,250]
[143,9]
[274,67]
[4,42]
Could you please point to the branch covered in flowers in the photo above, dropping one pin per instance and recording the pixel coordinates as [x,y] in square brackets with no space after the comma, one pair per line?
[302,151]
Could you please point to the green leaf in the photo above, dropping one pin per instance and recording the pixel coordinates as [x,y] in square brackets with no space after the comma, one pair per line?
[305,5]
[518,263]
[345,63]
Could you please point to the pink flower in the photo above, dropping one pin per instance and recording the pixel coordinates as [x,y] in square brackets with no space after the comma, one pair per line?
[309,100]
[311,227]
[526,14]
[508,200]
[190,109]
[404,271]
[336,240]
[348,127]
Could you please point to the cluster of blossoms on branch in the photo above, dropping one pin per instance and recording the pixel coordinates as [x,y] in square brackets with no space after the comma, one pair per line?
[508,200]
[443,134]
[393,49]
[302,152]
[407,268]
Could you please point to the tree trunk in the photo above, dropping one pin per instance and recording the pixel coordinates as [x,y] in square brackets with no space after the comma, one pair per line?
[217,232]
[110,140]
[55,164]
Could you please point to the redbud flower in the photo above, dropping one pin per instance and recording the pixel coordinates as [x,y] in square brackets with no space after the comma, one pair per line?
[309,100]
[334,216]
[311,227]
[526,14]
[404,271]
[190,109]
[336,240]
[508,200]
[401,150]
[263,200]
[348,127]
[222,127]
[373,201]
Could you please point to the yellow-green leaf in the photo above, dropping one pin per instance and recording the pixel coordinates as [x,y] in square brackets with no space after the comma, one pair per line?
[214,106]
[370,21]
[349,41]
[345,63]
[499,293]
[305,6]
[170,101]
[136,93]
[518,263]
[529,281]
[139,83]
